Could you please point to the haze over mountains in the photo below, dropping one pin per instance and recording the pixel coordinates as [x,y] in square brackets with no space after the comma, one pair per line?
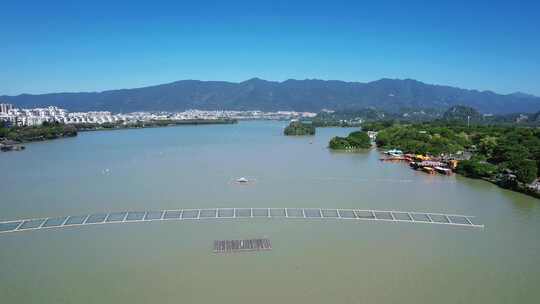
[299,95]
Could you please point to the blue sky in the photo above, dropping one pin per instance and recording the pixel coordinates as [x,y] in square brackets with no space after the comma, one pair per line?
[58,46]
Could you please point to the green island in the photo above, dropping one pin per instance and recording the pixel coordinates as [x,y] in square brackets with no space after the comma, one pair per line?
[354,141]
[298,128]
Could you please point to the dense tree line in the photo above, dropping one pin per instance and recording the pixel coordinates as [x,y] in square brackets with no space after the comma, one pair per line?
[377,125]
[150,124]
[35,133]
[52,130]
[496,149]
[423,139]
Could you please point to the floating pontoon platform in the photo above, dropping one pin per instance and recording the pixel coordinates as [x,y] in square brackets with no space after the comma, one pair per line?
[314,214]
[230,246]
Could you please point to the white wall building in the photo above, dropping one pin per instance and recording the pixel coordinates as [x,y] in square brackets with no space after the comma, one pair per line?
[37,116]
[5,107]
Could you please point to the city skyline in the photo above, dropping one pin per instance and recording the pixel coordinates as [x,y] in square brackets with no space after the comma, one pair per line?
[23,117]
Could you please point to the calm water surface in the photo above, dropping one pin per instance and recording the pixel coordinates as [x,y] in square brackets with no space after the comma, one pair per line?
[311,262]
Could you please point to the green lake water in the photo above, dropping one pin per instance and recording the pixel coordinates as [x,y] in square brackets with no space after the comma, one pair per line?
[311,261]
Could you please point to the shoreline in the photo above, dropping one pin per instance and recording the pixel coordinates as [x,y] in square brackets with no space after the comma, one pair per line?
[519,188]
[74,129]
[82,128]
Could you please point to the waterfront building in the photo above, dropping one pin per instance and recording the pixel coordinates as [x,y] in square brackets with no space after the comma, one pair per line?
[5,107]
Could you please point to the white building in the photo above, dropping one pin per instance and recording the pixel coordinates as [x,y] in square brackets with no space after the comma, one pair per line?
[5,107]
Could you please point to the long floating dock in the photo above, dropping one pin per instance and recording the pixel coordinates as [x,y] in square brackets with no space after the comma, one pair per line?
[315,214]
[230,246]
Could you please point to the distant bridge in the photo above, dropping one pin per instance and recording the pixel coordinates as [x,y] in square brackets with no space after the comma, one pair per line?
[315,214]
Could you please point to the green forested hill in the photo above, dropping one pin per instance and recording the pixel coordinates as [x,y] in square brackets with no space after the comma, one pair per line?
[300,95]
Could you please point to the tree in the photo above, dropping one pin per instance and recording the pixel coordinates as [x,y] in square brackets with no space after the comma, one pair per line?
[526,170]
[338,143]
[476,169]
[487,145]
[507,150]
[359,139]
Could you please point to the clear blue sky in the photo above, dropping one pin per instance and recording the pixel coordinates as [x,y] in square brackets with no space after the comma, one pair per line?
[51,46]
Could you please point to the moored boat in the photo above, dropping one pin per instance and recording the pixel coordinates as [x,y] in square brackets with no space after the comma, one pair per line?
[445,171]
[428,170]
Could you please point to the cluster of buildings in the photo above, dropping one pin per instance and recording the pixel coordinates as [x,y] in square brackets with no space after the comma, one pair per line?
[239,115]
[30,117]
[37,116]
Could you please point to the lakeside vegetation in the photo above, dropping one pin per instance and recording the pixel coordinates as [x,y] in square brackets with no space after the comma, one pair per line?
[506,155]
[297,128]
[12,137]
[354,141]
[151,124]
[425,138]
[37,133]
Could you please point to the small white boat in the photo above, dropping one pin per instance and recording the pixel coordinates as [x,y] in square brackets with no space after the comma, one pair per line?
[242,180]
[394,152]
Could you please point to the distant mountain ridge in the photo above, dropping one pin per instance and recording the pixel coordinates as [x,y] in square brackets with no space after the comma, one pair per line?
[299,95]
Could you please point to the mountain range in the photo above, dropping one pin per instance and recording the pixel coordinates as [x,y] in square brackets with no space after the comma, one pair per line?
[300,95]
